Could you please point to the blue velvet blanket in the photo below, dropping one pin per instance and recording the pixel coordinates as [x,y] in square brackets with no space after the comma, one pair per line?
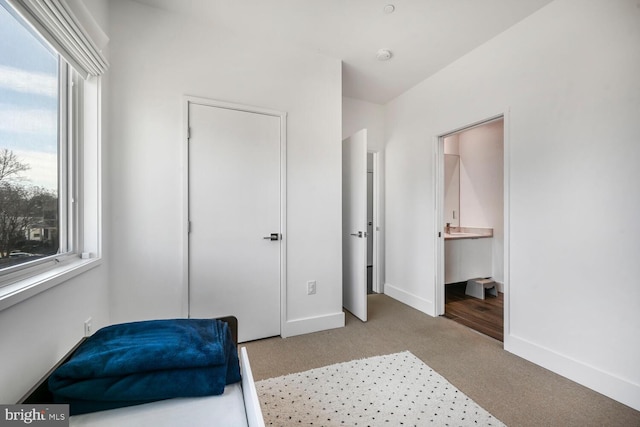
[139,362]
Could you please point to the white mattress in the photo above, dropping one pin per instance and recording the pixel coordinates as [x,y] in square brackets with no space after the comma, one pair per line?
[223,410]
[231,409]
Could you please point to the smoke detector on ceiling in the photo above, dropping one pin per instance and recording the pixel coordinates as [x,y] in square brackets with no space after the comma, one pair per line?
[383,55]
[389,9]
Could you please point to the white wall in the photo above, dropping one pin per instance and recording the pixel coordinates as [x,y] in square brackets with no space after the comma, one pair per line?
[157,58]
[37,332]
[481,186]
[357,114]
[567,77]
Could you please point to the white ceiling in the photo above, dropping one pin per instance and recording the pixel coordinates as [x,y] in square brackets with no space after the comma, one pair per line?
[424,35]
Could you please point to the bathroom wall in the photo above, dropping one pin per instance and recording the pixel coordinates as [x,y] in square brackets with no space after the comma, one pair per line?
[481,186]
[452,144]
[452,180]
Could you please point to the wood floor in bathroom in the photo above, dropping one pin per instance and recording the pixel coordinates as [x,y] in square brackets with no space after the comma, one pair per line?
[485,316]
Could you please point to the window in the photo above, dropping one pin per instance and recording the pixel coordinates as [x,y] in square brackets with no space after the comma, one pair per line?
[50,109]
[33,148]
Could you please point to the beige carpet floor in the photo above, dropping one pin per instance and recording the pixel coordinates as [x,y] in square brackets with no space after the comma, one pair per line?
[514,390]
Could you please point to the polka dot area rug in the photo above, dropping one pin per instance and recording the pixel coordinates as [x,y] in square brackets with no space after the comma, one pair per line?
[393,390]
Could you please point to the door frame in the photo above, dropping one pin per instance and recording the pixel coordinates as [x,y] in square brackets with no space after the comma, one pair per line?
[377,285]
[186,101]
[438,191]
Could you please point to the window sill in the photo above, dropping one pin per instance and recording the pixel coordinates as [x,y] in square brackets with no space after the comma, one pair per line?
[21,290]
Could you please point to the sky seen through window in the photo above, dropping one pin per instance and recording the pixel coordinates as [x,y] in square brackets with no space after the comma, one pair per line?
[29,102]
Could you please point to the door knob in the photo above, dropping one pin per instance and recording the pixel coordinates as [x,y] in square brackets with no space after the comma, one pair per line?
[273,236]
[359,234]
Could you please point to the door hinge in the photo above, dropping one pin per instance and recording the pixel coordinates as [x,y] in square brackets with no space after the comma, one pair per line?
[189,227]
[188,133]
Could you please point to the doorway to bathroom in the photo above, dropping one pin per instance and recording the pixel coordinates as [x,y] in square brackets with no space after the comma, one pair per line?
[470,203]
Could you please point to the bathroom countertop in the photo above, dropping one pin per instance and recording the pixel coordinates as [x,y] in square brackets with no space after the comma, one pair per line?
[459,233]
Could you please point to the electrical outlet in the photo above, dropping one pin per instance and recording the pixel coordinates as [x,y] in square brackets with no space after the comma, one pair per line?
[311,287]
[88,327]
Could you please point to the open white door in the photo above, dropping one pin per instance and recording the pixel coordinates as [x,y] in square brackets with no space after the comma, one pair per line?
[354,224]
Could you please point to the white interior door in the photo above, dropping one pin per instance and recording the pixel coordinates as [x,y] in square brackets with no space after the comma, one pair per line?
[234,207]
[354,224]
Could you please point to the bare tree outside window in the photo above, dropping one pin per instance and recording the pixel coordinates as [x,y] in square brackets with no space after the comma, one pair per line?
[28,214]
[10,167]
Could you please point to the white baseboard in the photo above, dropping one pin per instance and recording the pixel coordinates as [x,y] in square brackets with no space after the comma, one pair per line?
[605,383]
[410,299]
[312,324]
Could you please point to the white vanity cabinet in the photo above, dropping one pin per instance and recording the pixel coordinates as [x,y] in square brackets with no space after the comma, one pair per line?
[467,259]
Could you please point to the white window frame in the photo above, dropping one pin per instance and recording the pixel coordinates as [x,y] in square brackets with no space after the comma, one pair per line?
[79,190]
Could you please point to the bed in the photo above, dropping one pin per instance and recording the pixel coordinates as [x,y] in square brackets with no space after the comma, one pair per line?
[237,406]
